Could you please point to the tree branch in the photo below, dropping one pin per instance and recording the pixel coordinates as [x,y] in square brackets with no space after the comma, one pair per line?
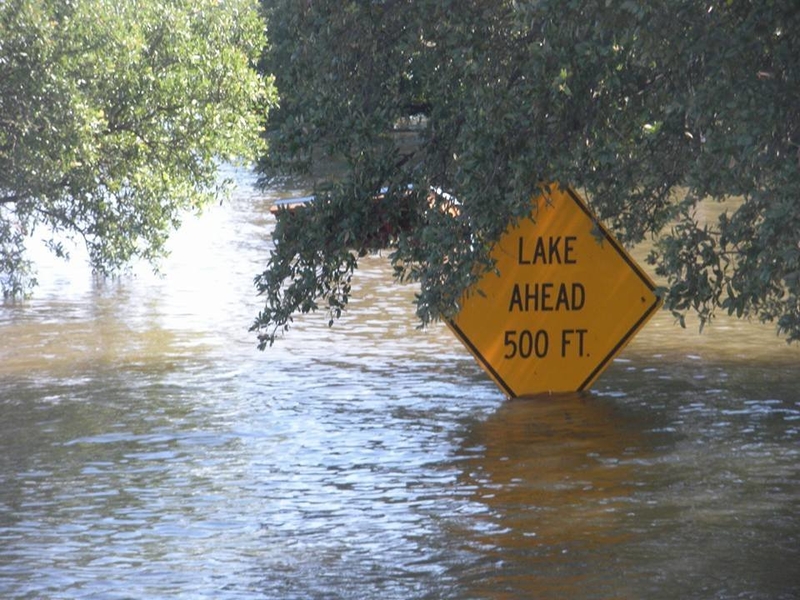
[11,199]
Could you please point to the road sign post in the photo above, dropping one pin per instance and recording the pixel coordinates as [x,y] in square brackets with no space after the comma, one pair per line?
[567,300]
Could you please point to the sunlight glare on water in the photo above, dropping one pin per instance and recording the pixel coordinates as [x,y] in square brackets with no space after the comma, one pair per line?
[148,450]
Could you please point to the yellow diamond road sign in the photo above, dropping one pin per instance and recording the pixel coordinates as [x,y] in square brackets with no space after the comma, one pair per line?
[566,301]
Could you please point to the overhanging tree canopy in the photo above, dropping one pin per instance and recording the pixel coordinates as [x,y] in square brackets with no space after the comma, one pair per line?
[649,108]
[114,117]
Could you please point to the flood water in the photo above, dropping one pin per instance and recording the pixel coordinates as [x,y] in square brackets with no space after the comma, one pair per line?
[148,450]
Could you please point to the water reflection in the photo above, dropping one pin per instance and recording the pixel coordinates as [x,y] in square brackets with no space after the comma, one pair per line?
[147,450]
[558,477]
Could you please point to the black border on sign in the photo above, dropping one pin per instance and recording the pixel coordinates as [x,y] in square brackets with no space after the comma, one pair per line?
[616,349]
[480,358]
[639,273]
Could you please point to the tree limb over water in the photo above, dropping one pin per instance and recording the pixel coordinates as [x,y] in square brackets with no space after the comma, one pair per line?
[115,117]
[651,109]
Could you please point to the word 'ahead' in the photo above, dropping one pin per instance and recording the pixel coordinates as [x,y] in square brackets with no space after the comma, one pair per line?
[566,301]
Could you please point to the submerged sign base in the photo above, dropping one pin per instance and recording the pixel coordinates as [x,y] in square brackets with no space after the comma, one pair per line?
[567,300]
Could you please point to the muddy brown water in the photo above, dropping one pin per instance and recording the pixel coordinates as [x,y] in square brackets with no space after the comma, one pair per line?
[147,450]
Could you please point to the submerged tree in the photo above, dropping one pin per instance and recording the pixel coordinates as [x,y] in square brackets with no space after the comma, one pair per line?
[114,117]
[654,110]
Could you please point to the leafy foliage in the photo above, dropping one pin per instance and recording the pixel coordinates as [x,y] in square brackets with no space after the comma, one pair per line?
[114,117]
[657,111]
